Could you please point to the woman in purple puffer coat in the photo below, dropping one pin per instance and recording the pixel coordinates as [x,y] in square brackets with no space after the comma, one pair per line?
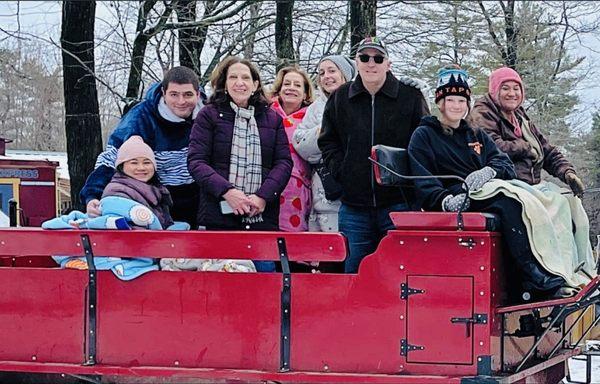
[239,152]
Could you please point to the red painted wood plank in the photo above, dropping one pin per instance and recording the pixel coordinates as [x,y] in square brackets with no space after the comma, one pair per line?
[301,246]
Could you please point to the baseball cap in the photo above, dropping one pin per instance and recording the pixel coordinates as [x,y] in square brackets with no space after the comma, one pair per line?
[372,42]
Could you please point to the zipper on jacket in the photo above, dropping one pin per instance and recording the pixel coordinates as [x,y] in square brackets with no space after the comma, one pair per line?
[372,142]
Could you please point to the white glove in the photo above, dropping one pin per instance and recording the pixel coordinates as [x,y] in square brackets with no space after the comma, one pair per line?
[477,179]
[453,203]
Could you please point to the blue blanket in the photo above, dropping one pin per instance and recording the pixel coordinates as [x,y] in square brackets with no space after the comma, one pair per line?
[117,213]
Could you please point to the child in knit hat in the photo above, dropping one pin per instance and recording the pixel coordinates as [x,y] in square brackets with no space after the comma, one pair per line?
[135,178]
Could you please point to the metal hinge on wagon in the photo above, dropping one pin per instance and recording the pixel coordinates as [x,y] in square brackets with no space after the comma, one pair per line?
[405,347]
[406,291]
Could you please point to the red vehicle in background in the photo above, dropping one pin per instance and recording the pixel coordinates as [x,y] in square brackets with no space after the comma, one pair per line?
[430,305]
[32,187]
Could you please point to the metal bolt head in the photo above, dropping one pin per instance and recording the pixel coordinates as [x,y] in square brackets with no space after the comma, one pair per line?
[481,293]
[330,248]
[326,368]
[401,317]
[402,267]
[401,242]
[482,268]
[481,343]
[176,362]
[34,357]
[479,359]
[425,239]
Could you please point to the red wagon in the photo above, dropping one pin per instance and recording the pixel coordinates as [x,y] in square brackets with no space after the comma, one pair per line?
[429,306]
[32,185]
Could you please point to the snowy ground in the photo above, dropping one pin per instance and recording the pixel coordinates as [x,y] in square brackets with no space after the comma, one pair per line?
[577,369]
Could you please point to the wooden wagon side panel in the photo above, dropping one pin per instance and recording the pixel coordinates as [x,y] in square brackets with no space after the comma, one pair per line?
[42,315]
[190,319]
[346,323]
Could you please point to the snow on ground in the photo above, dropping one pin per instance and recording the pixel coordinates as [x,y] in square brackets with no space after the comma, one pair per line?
[577,369]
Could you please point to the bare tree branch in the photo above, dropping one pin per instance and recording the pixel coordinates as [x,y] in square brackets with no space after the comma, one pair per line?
[493,34]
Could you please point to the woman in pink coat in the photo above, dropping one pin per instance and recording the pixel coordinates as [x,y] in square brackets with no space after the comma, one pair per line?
[291,94]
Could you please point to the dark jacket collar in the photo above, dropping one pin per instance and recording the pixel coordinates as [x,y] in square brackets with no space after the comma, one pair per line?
[390,86]
[434,122]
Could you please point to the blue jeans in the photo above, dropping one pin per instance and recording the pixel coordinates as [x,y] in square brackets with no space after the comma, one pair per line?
[264,266]
[364,228]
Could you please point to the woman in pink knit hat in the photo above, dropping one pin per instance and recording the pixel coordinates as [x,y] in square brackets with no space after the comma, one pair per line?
[501,114]
[136,179]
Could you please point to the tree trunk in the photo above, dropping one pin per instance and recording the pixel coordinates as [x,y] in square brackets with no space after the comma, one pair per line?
[249,42]
[362,21]
[82,118]
[189,41]
[137,55]
[511,35]
[135,70]
[284,45]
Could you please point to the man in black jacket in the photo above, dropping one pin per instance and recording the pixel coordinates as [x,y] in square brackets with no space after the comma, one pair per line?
[375,108]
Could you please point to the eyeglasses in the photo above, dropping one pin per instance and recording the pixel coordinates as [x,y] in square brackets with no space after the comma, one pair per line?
[378,59]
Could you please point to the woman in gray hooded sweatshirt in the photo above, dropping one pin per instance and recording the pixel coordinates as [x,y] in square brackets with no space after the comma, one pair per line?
[333,71]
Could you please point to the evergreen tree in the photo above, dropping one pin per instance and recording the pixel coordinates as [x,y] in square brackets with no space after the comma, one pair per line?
[593,148]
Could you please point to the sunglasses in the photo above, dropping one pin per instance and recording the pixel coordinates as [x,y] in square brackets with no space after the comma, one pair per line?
[378,59]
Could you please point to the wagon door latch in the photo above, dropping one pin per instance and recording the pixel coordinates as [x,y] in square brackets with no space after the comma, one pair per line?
[478,318]
[467,243]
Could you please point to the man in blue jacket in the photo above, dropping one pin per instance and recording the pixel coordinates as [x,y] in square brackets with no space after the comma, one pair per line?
[164,120]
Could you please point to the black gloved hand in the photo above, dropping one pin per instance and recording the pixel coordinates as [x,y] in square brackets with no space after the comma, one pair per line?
[575,183]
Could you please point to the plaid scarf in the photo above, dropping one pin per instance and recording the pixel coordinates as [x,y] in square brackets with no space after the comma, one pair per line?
[245,162]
